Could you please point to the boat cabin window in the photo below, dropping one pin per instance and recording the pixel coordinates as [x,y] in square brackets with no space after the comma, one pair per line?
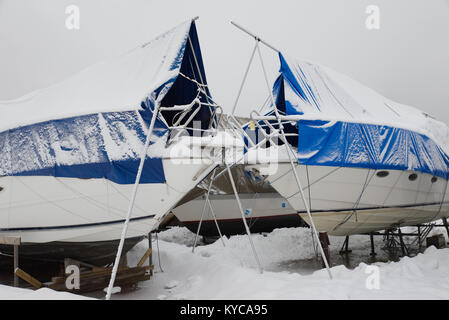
[382,174]
[413,177]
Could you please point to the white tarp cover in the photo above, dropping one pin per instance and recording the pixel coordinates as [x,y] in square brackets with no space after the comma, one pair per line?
[93,125]
[117,84]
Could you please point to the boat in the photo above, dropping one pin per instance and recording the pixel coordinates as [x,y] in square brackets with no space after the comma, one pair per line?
[71,151]
[356,160]
[265,209]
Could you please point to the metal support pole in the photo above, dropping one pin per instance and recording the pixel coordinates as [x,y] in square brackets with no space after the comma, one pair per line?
[403,247]
[373,252]
[446,226]
[345,247]
[150,257]
[419,238]
[207,202]
[199,73]
[243,218]
[298,182]
[244,78]
[257,39]
[131,203]
[254,36]
[16,265]
[216,222]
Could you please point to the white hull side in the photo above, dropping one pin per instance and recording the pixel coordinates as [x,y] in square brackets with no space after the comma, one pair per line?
[43,209]
[225,207]
[335,192]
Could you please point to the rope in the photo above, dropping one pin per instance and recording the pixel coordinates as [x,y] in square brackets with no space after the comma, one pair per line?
[193,80]
[354,211]
[442,200]
[98,204]
[52,202]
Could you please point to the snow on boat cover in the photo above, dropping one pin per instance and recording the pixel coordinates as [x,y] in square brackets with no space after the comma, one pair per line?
[92,125]
[343,123]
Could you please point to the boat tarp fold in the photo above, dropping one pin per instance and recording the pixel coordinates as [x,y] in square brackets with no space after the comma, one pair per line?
[94,124]
[361,145]
[348,125]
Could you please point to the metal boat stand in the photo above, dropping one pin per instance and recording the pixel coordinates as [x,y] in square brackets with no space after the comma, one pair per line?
[373,251]
[345,247]
[281,135]
[208,203]
[393,240]
[242,212]
[177,126]
[446,225]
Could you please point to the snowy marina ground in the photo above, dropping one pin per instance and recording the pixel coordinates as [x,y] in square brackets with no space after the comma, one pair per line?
[290,270]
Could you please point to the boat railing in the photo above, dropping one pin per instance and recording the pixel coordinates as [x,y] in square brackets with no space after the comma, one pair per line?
[179,127]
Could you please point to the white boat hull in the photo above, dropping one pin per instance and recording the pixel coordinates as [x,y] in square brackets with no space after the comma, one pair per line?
[340,204]
[263,212]
[42,209]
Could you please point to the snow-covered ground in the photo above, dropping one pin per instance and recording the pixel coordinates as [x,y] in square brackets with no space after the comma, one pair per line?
[11,293]
[291,270]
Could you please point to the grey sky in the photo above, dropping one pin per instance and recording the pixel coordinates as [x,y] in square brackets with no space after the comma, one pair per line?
[407,60]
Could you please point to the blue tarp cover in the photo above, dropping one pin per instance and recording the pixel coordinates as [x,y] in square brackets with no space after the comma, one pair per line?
[344,144]
[112,103]
[106,145]
[305,89]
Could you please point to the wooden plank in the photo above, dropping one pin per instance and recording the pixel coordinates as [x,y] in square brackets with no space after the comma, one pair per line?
[100,285]
[28,278]
[105,272]
[145,256]
[100,281]
[14,241]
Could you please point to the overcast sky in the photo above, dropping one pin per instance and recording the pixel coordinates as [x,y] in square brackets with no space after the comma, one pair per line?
[407,59]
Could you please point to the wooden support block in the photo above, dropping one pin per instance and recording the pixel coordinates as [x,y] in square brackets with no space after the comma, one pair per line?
[145,256]
[98,280]
[71,262]
[28,278]
[14,241]
[123,263]
[324,239]
[437,240]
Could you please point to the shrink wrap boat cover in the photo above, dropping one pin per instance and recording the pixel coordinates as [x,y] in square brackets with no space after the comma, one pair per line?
[94,124]
[343,123]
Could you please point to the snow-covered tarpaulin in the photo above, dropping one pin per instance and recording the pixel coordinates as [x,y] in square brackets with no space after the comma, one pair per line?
[344,123]
[93,125]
